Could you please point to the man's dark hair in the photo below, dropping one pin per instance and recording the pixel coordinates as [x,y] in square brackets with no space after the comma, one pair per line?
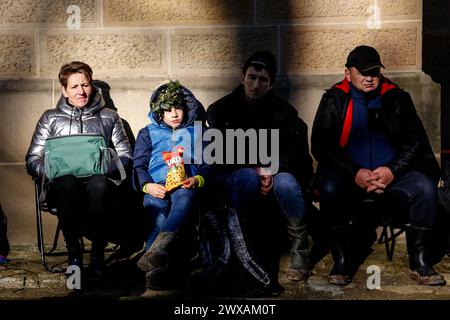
[262,60]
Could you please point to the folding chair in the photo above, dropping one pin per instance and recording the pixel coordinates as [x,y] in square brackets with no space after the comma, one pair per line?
[390,239]
[44,206]
[385,220]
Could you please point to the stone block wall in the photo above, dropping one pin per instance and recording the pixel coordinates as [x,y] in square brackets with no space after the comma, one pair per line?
[137,45]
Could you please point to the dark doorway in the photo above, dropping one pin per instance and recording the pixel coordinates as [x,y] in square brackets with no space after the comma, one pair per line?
[436,63]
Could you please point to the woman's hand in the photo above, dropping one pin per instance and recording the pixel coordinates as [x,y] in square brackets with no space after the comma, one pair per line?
[155,190]
[190,183]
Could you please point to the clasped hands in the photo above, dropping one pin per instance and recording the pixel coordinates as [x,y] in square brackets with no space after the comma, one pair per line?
[374,180]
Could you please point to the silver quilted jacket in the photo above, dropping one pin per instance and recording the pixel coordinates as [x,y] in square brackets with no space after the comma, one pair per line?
[66,120]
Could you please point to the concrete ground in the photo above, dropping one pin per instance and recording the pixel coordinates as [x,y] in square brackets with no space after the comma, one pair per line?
[25,278]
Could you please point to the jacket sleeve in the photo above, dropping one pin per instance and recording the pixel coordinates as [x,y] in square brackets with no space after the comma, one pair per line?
[120,141]
[34,158]
[141,158]
[217,121]
[215,118]
[325,138]
[412,137]
[294,151]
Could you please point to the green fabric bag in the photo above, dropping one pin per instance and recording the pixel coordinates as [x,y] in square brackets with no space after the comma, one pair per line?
[80,155]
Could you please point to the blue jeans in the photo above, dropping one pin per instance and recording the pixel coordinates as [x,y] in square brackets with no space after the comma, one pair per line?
[168,214]
[414,190]
[242,189]
[289,195]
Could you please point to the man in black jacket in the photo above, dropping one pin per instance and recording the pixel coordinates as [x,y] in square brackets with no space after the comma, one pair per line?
[371,145]
[253,109]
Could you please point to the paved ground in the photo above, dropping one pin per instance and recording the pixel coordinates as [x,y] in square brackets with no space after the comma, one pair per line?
[25,278]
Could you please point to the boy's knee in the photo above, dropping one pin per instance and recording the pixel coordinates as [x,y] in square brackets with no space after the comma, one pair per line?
[154,204]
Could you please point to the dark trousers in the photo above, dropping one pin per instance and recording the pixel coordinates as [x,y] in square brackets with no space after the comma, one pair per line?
[82,205]
[413,193]
[4,244]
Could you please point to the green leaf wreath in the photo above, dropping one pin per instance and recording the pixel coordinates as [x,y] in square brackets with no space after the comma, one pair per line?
[168,97]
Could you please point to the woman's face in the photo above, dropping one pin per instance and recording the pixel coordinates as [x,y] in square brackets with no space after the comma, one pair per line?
[78,90]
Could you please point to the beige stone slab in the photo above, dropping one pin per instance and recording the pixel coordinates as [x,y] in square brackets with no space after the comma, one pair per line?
[110,53]
[133,106]
[217,51]
[175,12]
[20,113]
[401,8]
[17,54]
[46,13]
[335,11]
[309,9]
[322,49]
[17,199]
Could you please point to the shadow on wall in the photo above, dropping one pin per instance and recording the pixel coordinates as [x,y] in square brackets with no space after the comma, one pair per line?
[257,19]
[104,86]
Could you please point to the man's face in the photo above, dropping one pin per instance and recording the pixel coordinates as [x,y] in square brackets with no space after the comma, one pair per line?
[365,81]
[256,83]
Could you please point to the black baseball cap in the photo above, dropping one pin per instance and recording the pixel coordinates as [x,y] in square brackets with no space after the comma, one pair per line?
[364,58]
[262,60]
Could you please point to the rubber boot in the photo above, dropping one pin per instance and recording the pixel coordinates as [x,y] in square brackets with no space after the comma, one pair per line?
[75,253]
[340,274]
[96,268]
[299,268]
[419,263]
[75,258]
[157,256]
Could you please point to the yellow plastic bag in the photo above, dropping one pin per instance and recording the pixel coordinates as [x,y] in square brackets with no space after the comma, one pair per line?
[176,173]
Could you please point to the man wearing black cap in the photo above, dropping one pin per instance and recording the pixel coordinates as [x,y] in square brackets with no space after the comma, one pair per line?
[253,106]
[371,145]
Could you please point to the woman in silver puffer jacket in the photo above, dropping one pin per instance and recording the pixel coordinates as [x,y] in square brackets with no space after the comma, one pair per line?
[81,203]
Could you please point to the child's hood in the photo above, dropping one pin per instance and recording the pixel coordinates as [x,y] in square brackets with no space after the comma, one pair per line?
[193,107]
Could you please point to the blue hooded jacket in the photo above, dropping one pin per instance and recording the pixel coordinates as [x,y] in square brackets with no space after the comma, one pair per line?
[157,137]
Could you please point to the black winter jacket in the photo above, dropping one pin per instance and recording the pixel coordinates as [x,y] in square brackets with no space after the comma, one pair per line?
[271,112]
[398,120]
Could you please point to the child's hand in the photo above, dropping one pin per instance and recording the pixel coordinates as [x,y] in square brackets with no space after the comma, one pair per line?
[190,183]
[155,190]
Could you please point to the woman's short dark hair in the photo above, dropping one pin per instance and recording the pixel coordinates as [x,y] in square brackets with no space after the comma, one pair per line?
[74,67]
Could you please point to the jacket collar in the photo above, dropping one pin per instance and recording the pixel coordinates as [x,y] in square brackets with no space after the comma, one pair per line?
[95,105]
[386,85]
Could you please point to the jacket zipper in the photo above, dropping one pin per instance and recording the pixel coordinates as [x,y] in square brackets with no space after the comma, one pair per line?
[370,136]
